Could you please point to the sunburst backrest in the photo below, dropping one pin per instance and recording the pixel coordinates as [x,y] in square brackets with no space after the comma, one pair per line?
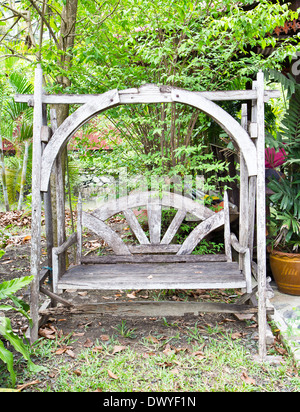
[154,202]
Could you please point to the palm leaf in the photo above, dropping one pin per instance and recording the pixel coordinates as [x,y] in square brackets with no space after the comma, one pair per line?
[9,287]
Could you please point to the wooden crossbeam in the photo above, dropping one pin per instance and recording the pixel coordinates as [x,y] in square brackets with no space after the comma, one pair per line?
[127,96]
[152,308]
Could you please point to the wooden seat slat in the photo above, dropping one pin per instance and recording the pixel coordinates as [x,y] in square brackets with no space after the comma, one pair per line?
[204,275]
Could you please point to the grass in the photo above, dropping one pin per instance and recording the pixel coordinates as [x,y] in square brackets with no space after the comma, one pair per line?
[151,365]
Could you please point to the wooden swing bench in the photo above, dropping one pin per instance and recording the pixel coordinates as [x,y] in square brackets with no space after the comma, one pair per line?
[156,263]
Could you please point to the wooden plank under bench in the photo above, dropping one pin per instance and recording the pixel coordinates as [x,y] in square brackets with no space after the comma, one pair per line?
[203,275]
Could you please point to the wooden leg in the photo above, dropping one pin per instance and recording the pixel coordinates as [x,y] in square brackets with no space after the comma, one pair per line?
[36,203]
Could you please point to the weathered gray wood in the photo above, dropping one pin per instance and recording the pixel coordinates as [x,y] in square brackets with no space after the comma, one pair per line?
[44,273]
[200,275]
[251,211]
[252,180]
[46,134]
[49,228]
[36,202]
[174,226]
[202,230]
[112,259]
[135,226]
[154,222]
[60,209]
[261,216]
[152,309]
[236,244]
[146,94]
[244,195]
[227,240]
[55,297]
[56,274]
[129,96]
[154,248]
[79,230]
[253,130]
[180,275]
[69,242]
[247,270]
[106,233]
[244,252]
[62,135]
[140,199]
[230,125]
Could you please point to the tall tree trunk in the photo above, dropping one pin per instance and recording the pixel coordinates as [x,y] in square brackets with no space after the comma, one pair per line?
[66,44]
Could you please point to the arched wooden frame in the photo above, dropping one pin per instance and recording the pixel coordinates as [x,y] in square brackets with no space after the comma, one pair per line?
[152,200]
[252,159]
[147,94]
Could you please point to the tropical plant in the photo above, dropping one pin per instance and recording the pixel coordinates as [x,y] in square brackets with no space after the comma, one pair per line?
[17,129]
[7,291]
[285,200]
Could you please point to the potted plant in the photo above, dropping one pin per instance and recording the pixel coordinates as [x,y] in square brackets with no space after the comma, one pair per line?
[284,219]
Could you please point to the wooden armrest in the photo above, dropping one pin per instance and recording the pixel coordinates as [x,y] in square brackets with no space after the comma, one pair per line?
[246,264]
[69,242]
[236,245]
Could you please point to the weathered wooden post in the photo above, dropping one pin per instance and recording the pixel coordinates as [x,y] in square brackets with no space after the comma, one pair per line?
[261,216]
[244,195]
[36,201]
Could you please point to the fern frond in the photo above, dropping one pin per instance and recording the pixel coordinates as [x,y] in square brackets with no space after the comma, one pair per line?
[288,83]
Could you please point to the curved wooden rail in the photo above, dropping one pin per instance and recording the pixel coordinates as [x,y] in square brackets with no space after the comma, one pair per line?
[145,94]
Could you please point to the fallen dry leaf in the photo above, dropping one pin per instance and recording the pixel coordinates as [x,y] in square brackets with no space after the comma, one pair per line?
[82,293]
[112,375]
[97,348]
[244,316]
[104,337]
[236,335]
[70,353]
[247,379]
[118,348]
[152,339]
[60,351]
[131,296]
[144,296]
[48,332]
[199,354]
[146,355]
[65,349]
[88,343]
[168,350]
[25,385]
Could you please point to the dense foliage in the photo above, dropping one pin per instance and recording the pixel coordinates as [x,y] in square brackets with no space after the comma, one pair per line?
[92,47]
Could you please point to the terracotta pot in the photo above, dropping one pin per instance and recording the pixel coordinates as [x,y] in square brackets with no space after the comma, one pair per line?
[286,271]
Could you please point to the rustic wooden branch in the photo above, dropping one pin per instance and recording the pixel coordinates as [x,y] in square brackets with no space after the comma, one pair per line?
[69,242]
[56,297]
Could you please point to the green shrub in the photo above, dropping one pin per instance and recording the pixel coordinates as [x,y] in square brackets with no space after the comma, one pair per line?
[7,290]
